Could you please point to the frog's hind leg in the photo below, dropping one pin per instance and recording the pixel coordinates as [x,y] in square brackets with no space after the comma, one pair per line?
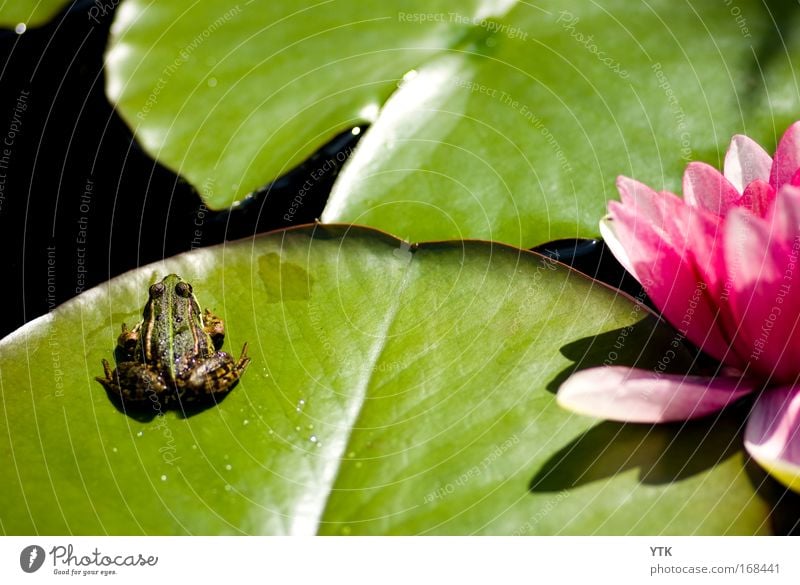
[215,375]
[136,383]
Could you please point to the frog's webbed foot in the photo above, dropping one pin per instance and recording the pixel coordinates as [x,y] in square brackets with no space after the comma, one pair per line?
[243,360]
[215,327]
[216,374]
[107,380]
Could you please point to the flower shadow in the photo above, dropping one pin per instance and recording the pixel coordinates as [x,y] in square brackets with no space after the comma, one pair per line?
[784,504]
[662,453]
[649,343]
[666,453]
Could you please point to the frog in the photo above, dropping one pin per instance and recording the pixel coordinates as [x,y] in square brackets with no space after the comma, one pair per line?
[173,355]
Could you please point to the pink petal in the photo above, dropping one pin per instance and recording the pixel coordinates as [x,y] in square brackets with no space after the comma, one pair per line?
[763,272]
[757,198]
[705,187]
[785,214]
[772,436]
[665,211]
[707,246]
[705,242]
[643,396]
[667,272]
[787,157]
[746,162]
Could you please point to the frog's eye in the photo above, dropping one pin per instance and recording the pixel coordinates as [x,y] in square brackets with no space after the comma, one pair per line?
[183,289]
[157,290]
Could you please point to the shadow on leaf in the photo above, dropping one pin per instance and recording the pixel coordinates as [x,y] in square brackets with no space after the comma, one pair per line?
[646,344]
[783,503]
[662,453]
[145,411]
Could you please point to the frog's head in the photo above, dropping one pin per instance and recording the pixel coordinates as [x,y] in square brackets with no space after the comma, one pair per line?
[172,283]
[170,299]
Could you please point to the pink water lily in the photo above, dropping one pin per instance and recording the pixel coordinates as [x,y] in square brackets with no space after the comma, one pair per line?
[723,267]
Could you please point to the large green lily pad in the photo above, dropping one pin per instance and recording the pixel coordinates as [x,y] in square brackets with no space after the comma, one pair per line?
[520,139]
[511,121]
[232,96]
[392,390]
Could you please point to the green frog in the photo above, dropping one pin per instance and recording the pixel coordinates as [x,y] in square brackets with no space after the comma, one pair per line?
[173,354]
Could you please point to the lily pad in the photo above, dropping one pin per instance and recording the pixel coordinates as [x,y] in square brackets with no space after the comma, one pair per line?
[29,12]
[392,390]
[520,137]
[234,96]
[511,121]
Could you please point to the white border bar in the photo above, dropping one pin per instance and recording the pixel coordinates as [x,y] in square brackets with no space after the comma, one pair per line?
[405,560]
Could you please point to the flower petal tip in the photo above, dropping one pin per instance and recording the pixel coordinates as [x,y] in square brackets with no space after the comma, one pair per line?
[746,162]
[772,436]
[787,157]
[612,242]
[705,187]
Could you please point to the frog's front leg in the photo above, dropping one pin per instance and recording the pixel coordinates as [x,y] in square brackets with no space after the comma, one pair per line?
[215,374]
[126,342]
[134,382]
[215,327]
